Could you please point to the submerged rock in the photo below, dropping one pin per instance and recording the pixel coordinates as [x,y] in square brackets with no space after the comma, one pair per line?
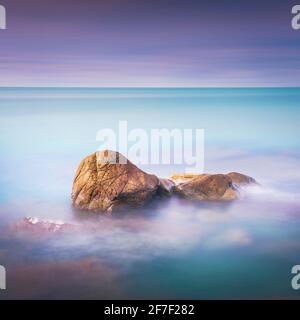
[106,180]
[34,225]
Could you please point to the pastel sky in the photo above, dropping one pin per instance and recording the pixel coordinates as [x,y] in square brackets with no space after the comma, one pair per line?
[123,43]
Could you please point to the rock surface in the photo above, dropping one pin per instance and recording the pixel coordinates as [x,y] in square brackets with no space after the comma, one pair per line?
[241,179]
[183,177]
[106,181]
[34,225]
[166,187]
[206,187]
[237,178]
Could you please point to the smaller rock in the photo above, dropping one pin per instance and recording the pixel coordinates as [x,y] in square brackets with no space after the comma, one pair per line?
[214,187]
[241,179]
[34,225]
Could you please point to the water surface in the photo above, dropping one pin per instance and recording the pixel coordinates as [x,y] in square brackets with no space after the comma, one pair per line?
[174,250]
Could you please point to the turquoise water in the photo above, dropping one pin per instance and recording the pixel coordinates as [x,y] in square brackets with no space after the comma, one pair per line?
[175,250]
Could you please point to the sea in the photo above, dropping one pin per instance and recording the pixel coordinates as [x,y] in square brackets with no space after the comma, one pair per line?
[173,249]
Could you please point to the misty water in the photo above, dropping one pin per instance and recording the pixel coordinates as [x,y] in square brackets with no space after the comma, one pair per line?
[171,249]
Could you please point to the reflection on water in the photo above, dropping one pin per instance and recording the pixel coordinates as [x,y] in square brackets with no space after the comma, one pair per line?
[173,249]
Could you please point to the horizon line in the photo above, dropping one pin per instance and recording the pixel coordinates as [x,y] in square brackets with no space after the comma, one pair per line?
[150,87]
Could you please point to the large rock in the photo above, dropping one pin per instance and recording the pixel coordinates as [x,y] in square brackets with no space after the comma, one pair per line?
[106,181]
[208,187]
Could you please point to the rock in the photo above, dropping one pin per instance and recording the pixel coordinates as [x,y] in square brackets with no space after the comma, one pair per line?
[241,179]
[166,187]
[237,178]
[182,177]
[106,180]
[34,225]
[214,187]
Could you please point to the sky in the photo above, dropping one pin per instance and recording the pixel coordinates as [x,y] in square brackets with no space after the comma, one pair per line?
[143,43]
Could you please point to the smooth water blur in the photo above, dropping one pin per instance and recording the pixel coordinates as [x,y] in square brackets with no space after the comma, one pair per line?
[174,250]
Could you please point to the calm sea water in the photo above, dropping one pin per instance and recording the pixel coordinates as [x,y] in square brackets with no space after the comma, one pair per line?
[173,250]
